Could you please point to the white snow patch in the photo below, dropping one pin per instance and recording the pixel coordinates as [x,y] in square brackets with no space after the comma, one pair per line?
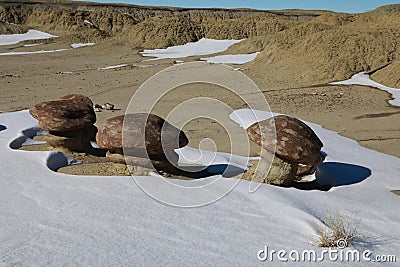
[113,67]
[202,47]
[101,216]
[29,45]
[232,59]
[77,45]
[8,39]
[189,155]
[88,22]
[30,53]
[363,79]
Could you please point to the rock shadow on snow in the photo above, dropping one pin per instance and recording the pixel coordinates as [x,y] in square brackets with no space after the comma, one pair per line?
[335,174]
[26,138]
[198,172]
[57,160]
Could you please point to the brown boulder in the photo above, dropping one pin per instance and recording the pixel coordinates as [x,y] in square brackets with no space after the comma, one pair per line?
[289,148]
[78,140]
[63,115]
[143,134]
[290,139]
[79,98]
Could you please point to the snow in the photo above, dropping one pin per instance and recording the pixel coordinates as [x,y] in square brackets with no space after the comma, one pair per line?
[363,79]
[13,53]
[8,39]
[202,47]
[29,45]
[77,45]
[232,59]
[88,22]
[49,218]
[189,155]
[113,67]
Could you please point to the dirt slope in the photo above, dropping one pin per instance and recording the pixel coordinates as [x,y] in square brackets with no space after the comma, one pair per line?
[299,48]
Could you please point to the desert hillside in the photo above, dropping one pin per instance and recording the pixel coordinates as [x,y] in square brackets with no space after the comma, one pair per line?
[298,48]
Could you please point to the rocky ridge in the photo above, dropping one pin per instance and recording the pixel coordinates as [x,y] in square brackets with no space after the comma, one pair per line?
[298,48]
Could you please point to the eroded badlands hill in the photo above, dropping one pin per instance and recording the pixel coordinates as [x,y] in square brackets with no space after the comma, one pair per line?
[298,48]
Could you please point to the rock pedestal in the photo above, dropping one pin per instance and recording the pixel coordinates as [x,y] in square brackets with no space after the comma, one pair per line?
[271,170]
[289,149]
[68,121]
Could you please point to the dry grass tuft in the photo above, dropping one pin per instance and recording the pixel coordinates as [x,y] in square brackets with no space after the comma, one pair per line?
[337,232]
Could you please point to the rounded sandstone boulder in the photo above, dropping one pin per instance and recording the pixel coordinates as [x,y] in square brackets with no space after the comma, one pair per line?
[289,138]
[63,115]
[142,132]
[79,98]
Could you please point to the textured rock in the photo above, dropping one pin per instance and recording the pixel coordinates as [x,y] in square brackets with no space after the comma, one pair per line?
[271,170]
[8,28]
[69,122]
[79,98]
[88,133]
[108,106]
[281,173]
[289,138]
[142,133]
[78,140]
[289,148]
[149,164]
[303,170]
[63,115]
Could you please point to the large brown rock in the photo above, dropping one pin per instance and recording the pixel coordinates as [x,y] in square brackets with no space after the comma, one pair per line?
[79,98]
[63,115]
[289,138]
[78,140]
[143,133]
[289,148]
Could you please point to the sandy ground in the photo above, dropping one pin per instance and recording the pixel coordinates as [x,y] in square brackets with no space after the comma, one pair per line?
[358,112]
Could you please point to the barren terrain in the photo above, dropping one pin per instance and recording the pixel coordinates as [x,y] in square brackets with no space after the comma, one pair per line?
[300,53]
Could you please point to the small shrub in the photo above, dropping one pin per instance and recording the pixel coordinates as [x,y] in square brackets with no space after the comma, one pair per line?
[337,232]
